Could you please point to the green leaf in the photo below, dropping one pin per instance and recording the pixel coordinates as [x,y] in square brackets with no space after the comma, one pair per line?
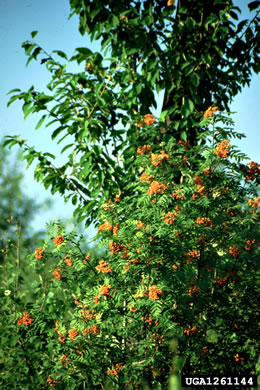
[66,147]
[27,109]
[40,122]
[49,155]
[61,54]
[34,55]
[183,135]
[253,5]
[33,34]
[163,115]
[212,336]
[28,47]
[85,51]
[195,79]
[14,90]
[85,132]
[57,132]
[74,199]
[187,108]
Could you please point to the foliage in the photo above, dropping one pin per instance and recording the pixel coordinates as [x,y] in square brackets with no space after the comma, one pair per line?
[197,54]
[176,291]
[15,206]
[17,211]
[175,206]
[26,286]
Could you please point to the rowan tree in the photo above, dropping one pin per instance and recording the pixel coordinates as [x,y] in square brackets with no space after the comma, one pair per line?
[173,200]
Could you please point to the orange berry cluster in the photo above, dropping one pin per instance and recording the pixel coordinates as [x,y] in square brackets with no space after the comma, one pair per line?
[51,381]
[103,267]
[220,281]
[133,309]
[39,253]
[139,225]
[114,371]
[88,315]
[154,292]
[170,217]
[143,149]
[86,259]
[156,188]
[64,360]
[57,273]
[156,338]
[149,119]
[253,171]
[199,183]
[157,159]
[255,202]
[25,319]
[210,111]
[149,320]
[232,212]
[186,144]
[104,290]
[68,261]
[193,290]
[107,226]
[223,148]
[192,331]
[94,329]
[176,195]
[145,178]
[250,245]
[61,337]
[114,247]
[73,333]
[58,240]
[224,281]
[79,350]
[191,255]
[204,221]
[234,251]
[238,358]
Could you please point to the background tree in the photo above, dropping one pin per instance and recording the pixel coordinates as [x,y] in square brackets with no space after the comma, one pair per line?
[196,54]
[17,210]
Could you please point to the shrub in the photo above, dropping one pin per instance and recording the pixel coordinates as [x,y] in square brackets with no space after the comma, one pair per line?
[175,292]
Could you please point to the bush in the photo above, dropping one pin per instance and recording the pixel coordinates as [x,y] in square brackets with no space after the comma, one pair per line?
[175,293]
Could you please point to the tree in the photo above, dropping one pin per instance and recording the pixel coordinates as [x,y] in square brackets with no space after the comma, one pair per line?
[174,293]
[17,210]
[193,51]
[198,54]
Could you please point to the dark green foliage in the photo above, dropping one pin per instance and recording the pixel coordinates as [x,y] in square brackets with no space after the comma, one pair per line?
[198,54]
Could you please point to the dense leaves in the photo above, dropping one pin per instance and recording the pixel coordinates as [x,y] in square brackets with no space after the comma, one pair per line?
[174,293]
[197,54]
[175,206]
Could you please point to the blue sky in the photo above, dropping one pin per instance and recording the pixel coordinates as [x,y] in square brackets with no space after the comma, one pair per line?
[17,19]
